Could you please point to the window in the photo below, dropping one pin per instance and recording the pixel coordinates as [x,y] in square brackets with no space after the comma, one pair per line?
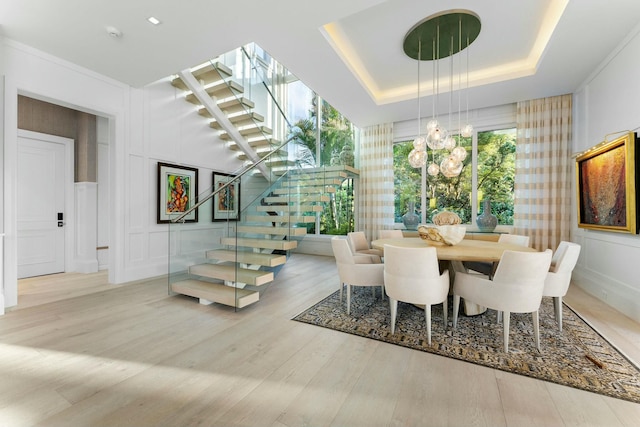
[331,146]
[496,172]
[493,174]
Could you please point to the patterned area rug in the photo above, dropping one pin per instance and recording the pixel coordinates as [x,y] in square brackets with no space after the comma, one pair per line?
[577,357]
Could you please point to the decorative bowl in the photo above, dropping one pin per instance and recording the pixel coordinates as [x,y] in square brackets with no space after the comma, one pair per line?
[447,234]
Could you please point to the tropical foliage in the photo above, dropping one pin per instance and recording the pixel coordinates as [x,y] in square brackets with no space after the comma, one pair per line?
[336,133]
[495,175]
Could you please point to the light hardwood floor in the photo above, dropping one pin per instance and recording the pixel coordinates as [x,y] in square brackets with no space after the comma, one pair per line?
[79,352]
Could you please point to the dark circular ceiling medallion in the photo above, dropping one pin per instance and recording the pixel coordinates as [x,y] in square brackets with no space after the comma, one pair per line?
[441,35]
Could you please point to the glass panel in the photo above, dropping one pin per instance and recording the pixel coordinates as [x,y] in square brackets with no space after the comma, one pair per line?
[251,218]
[407,180]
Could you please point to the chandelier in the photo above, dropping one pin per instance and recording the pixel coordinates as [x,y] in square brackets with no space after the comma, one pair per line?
[442,36]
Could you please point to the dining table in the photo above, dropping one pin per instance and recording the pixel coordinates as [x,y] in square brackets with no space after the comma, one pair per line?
[466,250]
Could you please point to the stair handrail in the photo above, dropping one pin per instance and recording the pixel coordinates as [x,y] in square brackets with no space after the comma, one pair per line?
[227,184]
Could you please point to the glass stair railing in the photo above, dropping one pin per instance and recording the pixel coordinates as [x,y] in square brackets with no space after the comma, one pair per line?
[258,214]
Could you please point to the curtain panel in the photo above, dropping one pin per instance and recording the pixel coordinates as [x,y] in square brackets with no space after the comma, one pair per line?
[542,207]
[375,192]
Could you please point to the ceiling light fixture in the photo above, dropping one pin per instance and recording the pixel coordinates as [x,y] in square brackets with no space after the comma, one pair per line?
[114,32]
[432,39]
[153,20]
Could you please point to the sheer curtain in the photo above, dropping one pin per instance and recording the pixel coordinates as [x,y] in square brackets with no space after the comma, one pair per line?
[375,192]
[542,207]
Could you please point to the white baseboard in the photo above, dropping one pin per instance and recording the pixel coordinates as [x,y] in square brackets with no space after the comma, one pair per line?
[613,293]
[86,266]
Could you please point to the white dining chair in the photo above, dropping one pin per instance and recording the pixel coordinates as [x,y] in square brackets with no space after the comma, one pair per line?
[558,278]
[514,239]
[517,287]
[412,275]
[360,244]
[488,268]
[355,270]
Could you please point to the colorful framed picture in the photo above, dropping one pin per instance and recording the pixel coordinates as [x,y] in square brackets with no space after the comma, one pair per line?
[177,193]
[606,184]
[226,203]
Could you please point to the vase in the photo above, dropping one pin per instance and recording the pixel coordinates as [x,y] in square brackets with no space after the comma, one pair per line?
[486,220]
[411,219]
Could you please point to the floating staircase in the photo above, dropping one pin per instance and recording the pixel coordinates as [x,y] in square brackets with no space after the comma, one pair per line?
[238,266]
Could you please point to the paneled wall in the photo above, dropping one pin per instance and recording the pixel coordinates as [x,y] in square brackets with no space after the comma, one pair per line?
[607,103]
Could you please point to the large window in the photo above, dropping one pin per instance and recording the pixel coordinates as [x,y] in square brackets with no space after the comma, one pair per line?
[328,139]
[489,167]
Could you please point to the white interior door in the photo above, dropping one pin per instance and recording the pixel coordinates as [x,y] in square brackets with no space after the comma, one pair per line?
[40,207]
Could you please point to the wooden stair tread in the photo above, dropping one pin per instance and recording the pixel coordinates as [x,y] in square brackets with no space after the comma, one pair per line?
[208,73]
[256,143]
[262,153]
[284,245]
[285,208]
[281,218]
[232,274]
[231,105]
[305,190]
[314,182]
[278,231]
[243,119]
[245,257]
[248,132]
[216,292]
[297,199]
[326,169]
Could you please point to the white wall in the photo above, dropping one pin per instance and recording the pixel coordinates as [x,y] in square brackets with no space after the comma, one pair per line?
[608,103]
[145,126]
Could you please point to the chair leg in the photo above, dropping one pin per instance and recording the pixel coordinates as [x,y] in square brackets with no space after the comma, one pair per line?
[558,306]
[393,305]
[456,306]
[536,328]
[341,287]
[427,316]
[499,317]
[348,298]
[505,324]
[444,312]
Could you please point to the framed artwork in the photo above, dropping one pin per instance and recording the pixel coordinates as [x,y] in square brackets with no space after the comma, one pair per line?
[606,183]
[177,192]
[226,203]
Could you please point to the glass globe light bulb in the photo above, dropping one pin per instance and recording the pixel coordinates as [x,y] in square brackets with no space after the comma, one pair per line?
[433,169]
[432,124]
[417,158]
[436,137]
[419,143]
[467,130]
[459,153]
[449,143]
[450,167]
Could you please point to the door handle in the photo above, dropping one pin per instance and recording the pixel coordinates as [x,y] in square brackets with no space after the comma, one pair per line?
[60,219]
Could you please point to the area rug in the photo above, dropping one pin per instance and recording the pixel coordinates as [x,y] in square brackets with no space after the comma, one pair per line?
[577,357]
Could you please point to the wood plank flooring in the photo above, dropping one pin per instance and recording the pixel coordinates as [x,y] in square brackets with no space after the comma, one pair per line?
[79,352]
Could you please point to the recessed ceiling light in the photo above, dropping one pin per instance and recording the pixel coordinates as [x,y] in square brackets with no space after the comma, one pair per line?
[153,20]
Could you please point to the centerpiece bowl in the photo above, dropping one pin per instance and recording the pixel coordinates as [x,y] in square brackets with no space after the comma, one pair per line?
[447,234]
